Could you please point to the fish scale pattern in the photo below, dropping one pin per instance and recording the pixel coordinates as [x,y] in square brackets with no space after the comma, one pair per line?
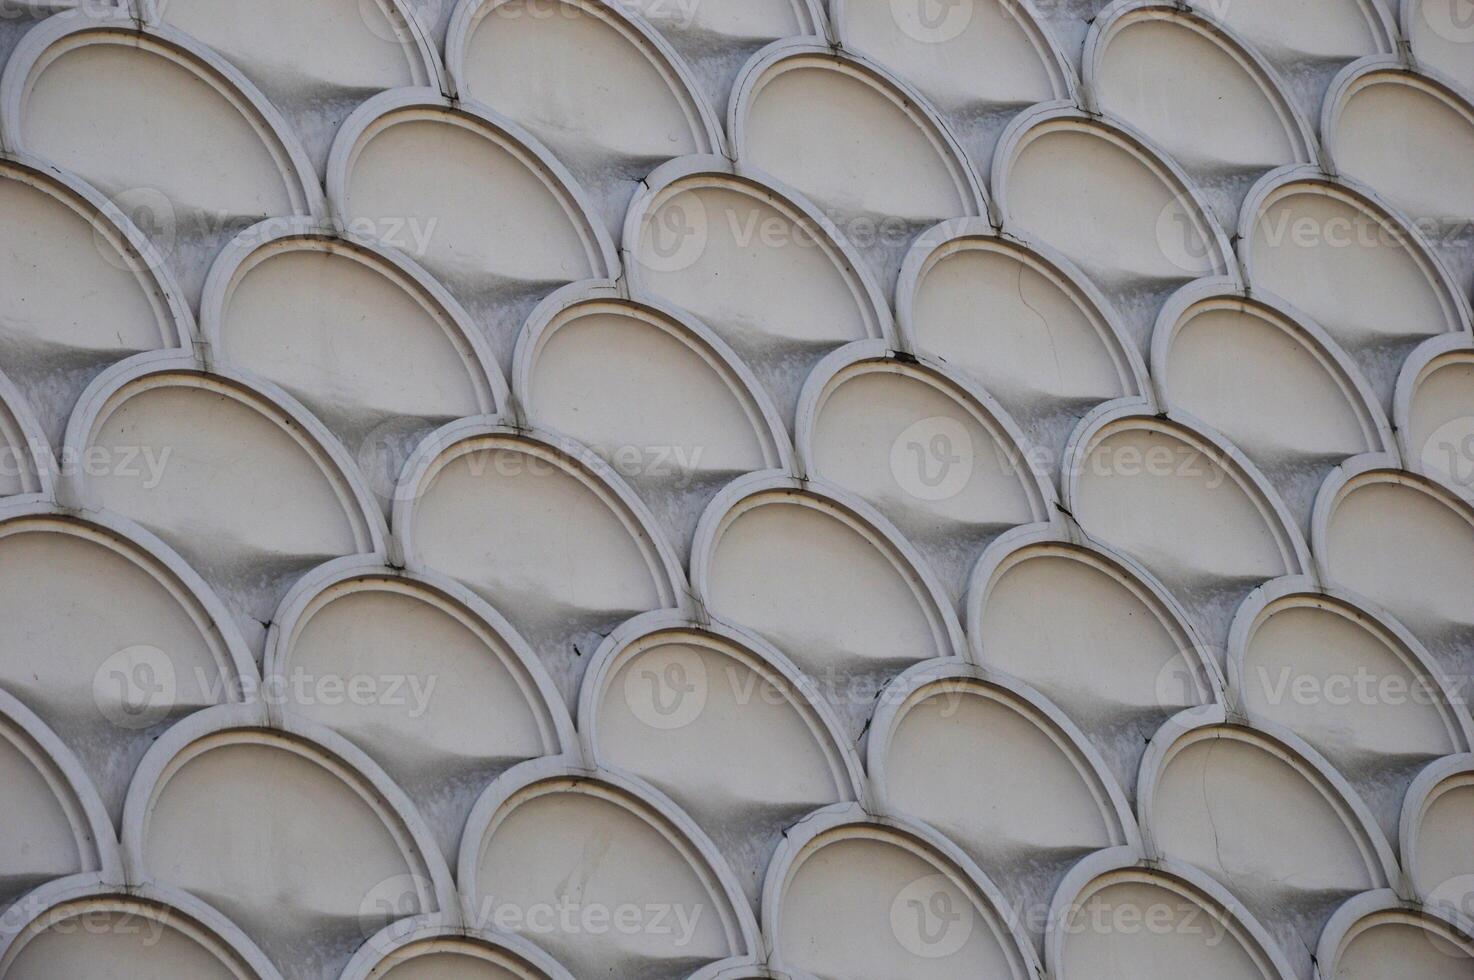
[736,489]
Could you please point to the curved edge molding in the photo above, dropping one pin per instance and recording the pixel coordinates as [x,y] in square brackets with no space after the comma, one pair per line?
[745,492]
[1426,358]
[1065,540]
[21,434]
[1224,293]
[867,356]
[380,112]
[329,581]
[37,46]
[1212,722]
[926,679]
[1121,14]
[1376,907]
[165,295]
[147,552]
[1037,120]
[749,649]
[66,898]
[273,236]
[1421,793]
[701,117]
[850,819]
[1363,72]
[775,59]
[563,774]
[1372,468]
[1302,590]
[698,172]
[1282,181]
[320,745]
[578,461]
[1126,864]
[397,943]
[419,49]
[601,296]
[161,368]
[950,237]
[87,816]
[1051,53]
[1179,425]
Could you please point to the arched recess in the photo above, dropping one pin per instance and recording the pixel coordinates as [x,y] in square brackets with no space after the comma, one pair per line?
[1377,934]
[85,926]
[471,195]
[1117,916]
[1094,632]
[1262,812]
[84,287]
[1351,681]
[653,392]
[549,834]
[592,79]
[1292,400]
[447,695]
[355,329]
[1308,43]
[1411,136]
[926,447]
[426,949]
[756,261]
[716,37]
[827,580]
[1020,318]
[979,63]
[1186,503]
[1407,542]
[177,449]
[285,827]
[184,144]
[110,637]
[870,898]
[945,746]
[28,470]
[1433,410]
[340,52]
[1112,202]
[540,526]
[1439,38]
[1437,835]
[55,822]
[1201,92]
[723,723]
[1351,263]
[858,141]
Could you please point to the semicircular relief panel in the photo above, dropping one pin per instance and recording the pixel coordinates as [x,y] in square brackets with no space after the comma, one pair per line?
[736,489]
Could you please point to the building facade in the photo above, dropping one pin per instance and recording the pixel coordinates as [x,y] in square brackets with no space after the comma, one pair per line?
[736,489]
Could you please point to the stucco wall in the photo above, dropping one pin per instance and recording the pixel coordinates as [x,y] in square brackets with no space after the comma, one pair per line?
[725,489]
